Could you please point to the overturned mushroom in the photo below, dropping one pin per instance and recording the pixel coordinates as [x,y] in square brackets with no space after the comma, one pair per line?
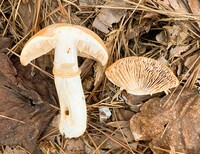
[141,76]
[68,41]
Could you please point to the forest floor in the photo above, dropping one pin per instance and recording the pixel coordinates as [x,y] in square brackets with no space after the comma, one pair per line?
[165,30]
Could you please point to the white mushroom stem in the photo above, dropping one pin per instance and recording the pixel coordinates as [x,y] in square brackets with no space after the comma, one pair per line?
[72,106]
[69,88]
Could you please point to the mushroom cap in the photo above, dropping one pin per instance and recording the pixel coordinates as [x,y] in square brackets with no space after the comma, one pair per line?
[141,75]
[88,43]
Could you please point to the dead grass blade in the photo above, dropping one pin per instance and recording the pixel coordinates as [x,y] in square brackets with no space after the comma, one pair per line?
[13,119]
[184,84]
[96,148]
[188,16]
[121,143]
[167,150]
[51,132]
[122,132]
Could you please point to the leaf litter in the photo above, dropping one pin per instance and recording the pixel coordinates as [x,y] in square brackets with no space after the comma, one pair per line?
[169,126]
[164,30]
[21,107]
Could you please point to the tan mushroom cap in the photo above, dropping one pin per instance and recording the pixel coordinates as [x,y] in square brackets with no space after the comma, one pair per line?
[89,44]
[141,75]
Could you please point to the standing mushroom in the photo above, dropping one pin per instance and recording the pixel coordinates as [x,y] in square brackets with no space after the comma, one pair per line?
[141,76]
[68,42]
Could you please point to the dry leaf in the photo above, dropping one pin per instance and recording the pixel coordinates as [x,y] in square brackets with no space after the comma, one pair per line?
[141,25]
[75,146]
[5,42]
[98,72]
[162,38]
[175,35]
[9,150]
[7,71]
[107,17]
[21,108]
[178,50]
[132,32]
[119,124]
[17,130]
[126,114]
[194,67]
[172,35]
[135,102]
[110,144]
[151,15]
[177,126]
[179,69]
[26,16]
[45,62]
[195,7]
[127,135]
[88,83]
[162,4]
[89,149]
[178,6]
[163,60]
[190,60]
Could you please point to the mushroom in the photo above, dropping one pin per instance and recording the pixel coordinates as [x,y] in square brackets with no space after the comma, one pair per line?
[141,76]
[68,42]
